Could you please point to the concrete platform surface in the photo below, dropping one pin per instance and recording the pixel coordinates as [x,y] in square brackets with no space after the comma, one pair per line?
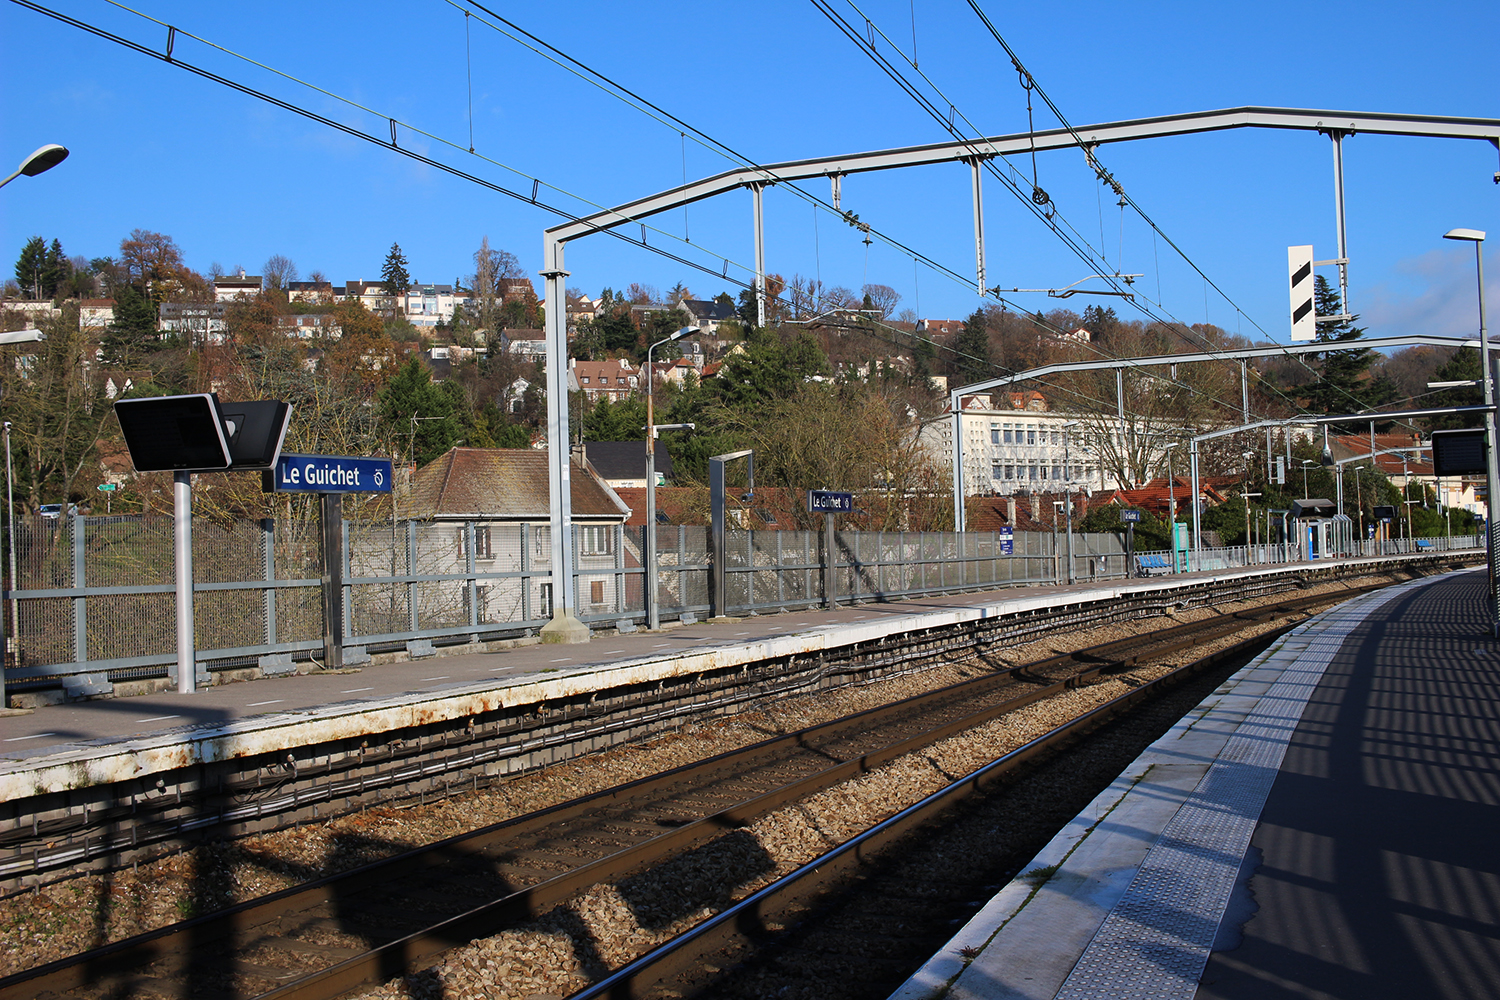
[1317,828]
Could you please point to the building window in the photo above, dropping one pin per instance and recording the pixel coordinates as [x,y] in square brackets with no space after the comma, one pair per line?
[596,539]
[1057,437]
[585,380]
[995,471]
[1055,471]
[1010,472]
[482,546]
[596,591]
[1031,434]
[1009,434]
[994,435]
[1033,473]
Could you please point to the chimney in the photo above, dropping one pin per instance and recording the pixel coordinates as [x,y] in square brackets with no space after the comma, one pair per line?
[1036,506]
[1010,510]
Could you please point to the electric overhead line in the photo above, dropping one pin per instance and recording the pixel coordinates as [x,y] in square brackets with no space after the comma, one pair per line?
[624,94]
[1038,198]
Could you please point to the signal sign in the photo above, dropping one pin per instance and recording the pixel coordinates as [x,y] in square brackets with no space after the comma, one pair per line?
[1299,269]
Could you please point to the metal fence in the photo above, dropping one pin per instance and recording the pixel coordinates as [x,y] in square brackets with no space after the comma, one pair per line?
[94,595]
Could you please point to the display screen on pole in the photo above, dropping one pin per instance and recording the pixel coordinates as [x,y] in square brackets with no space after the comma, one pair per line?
[1458,452]
[174,433]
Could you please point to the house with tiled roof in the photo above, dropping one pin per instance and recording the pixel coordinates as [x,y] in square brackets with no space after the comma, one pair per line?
[613,379]
[707,314]
[494,503]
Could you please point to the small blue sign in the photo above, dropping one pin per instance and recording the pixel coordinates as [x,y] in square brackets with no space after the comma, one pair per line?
[330,474]
[1130,516]
[1007,540]
[829,502]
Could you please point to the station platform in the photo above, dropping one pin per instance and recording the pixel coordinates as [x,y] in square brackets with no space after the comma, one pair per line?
[64,748]
[1322,827]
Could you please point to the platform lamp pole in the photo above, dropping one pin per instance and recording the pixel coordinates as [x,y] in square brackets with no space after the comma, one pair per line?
[1492,469]
[10,512]
[653,615]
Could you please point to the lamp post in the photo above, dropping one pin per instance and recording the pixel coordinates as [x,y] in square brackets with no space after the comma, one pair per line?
[653,618]
[1067,430]
[1171,508]
[1305,463]
[1492,466]
[42,160]
[1359,505]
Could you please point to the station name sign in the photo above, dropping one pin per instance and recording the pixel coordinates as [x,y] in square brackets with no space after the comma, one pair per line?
[328,474]
[829,502]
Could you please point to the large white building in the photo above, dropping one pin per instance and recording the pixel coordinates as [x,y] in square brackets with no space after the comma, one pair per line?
[1028,448]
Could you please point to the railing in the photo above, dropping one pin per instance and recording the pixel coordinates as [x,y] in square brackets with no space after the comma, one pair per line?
[96,593]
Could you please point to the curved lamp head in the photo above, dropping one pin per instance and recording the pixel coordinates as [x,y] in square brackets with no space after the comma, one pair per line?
[1472,235]
[52,154]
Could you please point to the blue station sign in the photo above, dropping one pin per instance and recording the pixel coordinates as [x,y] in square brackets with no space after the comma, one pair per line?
[329,474]
[829,502]
[1130,515]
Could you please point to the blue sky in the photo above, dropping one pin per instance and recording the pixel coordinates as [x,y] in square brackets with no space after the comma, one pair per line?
[235,180]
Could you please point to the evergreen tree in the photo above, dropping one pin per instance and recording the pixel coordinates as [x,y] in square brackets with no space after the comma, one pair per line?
[30,264]
[132,334]
[393,274]
[1345,384]
[412,394]
[56,270]
[1463,366]
[973,347]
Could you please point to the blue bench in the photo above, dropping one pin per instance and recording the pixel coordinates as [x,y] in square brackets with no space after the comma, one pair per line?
[1425,543]
[1146,564]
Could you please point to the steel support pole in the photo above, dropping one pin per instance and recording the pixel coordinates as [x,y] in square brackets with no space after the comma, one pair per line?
[976,164]
[1193,500]
[758,203]
[182,565]
[12,635]
[1492,440]
[1245,391]
[564,626]
[331,536]
[653,613]
[1338,209]
[955,403]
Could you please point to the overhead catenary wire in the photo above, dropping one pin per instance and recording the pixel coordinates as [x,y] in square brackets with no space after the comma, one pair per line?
[1038,197]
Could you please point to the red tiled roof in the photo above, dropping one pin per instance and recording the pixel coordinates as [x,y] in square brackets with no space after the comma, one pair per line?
[509,483]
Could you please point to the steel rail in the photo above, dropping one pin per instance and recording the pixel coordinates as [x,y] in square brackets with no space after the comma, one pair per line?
[137,953]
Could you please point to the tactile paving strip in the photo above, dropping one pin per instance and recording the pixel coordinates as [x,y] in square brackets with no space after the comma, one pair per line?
[1156,941]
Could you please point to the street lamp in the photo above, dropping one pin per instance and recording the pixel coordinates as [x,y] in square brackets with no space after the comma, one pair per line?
[1305,463]
[653,618]
[1492,468]
[42,160]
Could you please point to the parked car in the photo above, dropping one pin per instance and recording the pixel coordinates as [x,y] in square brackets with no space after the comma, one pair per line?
[55,510]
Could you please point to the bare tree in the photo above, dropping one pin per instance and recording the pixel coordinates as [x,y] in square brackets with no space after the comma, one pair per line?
[279,271]
[882,297]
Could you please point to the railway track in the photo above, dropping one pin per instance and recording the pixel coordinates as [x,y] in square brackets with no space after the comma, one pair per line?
[362,927]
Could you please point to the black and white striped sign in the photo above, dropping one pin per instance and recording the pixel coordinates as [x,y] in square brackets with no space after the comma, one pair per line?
[1299,269]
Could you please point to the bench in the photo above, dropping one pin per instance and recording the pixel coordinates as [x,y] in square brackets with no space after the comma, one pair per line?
[1146,564]
[1425,543]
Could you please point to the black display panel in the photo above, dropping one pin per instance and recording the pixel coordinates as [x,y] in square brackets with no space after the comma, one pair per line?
[174,433]
[1458,452]
[259,429]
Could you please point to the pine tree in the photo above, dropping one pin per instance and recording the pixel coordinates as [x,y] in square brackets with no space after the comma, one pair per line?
[55,270]
[1345,384]
[30,264]
[397,281]
[133,332]
[973,346]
